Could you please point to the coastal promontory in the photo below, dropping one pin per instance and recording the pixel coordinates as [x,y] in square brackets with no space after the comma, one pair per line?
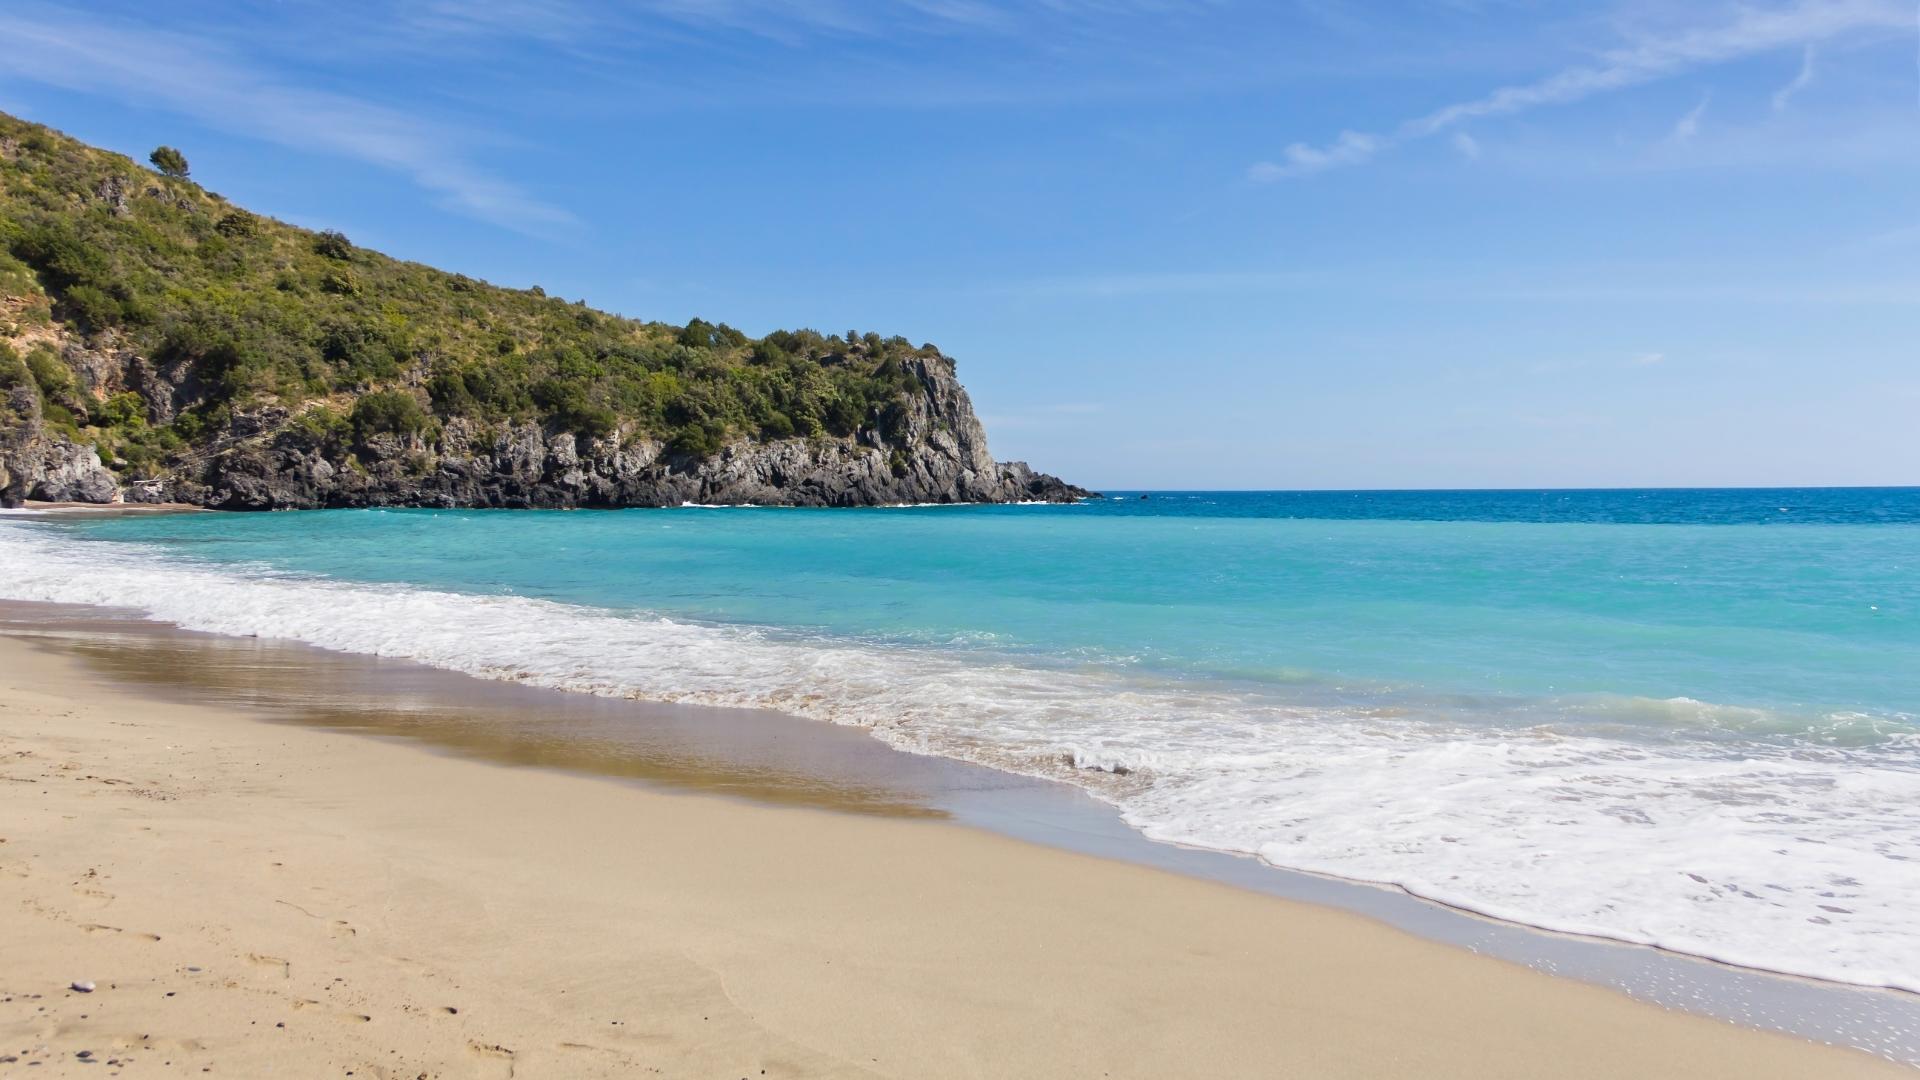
[159,344]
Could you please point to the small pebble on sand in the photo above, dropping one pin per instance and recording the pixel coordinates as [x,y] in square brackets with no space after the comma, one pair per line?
[82,985]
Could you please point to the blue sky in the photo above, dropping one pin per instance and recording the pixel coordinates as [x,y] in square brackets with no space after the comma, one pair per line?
[1187,243]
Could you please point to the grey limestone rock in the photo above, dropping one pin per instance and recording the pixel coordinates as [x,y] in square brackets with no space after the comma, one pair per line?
[930,449]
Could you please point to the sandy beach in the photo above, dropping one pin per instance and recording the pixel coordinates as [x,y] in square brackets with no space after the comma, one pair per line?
[249,897]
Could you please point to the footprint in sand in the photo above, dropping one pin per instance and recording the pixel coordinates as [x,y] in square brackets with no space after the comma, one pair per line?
[620,1056]
[495,1052]
[102,928]
[332,1013]
[86,887]
[286,968]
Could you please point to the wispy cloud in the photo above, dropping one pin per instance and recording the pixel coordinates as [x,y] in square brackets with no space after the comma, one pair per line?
[198,78]
[1207,282]
[1300,159]
[1751,32]
[1801,81]
[1685,128]
[1467,145]
[546,20]
[790,21]
[662,56]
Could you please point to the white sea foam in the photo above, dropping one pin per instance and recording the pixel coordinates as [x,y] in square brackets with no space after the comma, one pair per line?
[1793,856]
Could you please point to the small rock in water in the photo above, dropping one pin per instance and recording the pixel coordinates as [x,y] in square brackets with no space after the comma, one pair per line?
[83,986]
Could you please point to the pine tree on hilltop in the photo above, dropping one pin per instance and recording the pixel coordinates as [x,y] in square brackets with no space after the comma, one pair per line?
[169,161]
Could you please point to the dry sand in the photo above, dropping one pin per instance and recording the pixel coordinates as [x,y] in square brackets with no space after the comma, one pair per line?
[252,898]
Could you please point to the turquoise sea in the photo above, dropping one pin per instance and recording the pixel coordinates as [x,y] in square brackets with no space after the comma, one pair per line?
[1684,718]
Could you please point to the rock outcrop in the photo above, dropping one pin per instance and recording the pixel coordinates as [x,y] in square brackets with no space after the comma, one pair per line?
[37,463]
[931,450]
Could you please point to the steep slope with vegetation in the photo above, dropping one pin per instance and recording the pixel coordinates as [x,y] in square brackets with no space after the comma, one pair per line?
[158,343]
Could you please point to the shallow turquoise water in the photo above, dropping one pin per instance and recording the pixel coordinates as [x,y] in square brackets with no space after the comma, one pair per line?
[1808,619]
[1687,718]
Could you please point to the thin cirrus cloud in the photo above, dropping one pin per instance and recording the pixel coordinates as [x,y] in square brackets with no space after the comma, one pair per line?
[545,20]
[198,78]
[1750,33]
[1784,96]
[791,21]
[1124,285]
[1688,126]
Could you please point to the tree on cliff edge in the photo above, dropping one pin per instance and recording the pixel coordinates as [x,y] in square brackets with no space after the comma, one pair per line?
[169,161]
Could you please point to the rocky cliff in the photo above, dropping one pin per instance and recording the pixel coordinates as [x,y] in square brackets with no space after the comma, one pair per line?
[933,450]
[38,464]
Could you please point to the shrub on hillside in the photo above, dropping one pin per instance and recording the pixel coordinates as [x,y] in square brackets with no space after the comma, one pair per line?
[387,412]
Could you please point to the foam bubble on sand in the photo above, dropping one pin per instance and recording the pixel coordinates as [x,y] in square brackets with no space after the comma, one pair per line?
[1792,855]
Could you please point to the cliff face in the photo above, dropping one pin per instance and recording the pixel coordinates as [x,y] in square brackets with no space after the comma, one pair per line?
[38,464]
[933,450]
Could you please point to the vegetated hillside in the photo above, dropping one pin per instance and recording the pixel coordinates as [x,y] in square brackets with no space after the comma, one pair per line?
[159,343]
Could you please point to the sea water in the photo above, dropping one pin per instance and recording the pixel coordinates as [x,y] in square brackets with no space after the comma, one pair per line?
[1681,718]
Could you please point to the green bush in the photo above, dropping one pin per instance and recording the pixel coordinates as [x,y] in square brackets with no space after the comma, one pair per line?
[329,244]
[50,373]
[698,440]
[340,281]
[387,412]
[92,308]
[567,406]
[122,410]
[239,223]
[13,371]
[777,426]
[321,424]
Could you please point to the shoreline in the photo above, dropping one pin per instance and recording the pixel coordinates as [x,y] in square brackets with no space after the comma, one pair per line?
[629,738]
[36,509]
[1520,855]
[1321,942]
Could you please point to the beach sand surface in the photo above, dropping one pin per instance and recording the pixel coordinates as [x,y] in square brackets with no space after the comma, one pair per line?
[250,898]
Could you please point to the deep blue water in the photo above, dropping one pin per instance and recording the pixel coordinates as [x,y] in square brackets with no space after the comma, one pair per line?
[1616,506]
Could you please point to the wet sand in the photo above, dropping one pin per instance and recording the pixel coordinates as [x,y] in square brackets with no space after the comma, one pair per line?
[251,896]
[119,509]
